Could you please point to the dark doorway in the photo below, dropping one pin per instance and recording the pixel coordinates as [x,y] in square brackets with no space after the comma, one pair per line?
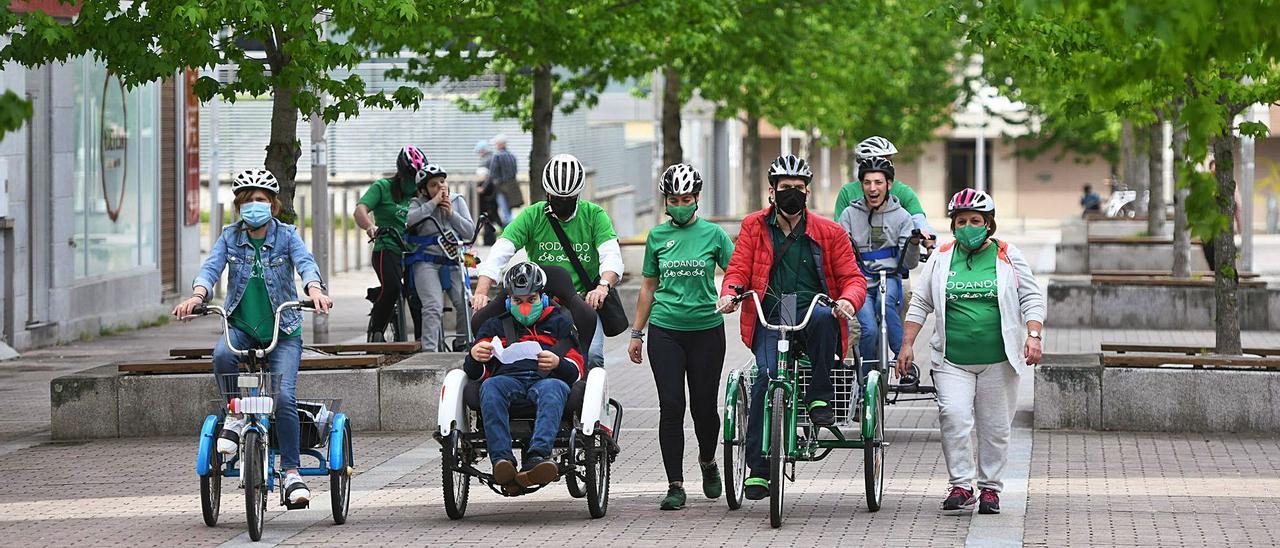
[961,156]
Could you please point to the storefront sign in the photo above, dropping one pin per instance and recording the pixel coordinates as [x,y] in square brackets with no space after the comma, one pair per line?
[191,192]
[114,145]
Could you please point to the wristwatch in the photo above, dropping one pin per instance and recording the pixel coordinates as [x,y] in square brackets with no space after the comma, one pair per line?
[605,283]
[1033,333]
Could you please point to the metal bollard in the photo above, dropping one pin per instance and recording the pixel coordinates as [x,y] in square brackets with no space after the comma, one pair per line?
[346,231]
[332,232]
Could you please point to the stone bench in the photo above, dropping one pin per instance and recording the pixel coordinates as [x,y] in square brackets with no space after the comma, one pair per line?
[1154,304]
[1089,392]
[105,403]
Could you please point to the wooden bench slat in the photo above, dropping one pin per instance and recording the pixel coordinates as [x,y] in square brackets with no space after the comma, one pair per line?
[204,366]
[1149,360]
[369,348]
[1179,349]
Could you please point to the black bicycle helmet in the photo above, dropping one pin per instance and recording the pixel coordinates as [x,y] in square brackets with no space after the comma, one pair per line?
[789,166]
[524,279]
[876,163]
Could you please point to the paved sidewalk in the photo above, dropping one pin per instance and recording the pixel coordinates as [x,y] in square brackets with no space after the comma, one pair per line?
[1108,489]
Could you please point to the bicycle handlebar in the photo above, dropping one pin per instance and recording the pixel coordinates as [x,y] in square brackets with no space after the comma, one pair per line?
[305,305]
[819,298]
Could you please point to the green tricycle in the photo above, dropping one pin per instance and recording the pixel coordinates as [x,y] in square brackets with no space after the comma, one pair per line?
[787,434]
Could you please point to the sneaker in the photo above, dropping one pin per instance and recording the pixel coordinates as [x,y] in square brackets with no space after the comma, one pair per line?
[674,499]
[958,502]
[376,337]
[504,472]
[712,485]
[756,489]
[537,470]
[295,490]
[229,439]
[989,502]
[821,414]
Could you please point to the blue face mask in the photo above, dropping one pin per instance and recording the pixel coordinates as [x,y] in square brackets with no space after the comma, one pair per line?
[256,213]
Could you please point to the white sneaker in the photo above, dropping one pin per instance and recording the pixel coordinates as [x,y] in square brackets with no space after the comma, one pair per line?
[295,490]
[229,439]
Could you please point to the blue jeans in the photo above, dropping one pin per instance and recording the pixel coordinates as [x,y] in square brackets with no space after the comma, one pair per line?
[284,365]
[821,339]
[869,339]
[497,393]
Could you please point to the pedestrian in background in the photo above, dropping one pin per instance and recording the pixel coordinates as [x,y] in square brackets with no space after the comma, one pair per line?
[502,172]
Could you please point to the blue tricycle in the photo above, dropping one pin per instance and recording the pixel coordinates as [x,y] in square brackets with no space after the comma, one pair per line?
[252,394]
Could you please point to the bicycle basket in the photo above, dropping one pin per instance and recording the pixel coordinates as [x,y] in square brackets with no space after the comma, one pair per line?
[245,392]
[845,382]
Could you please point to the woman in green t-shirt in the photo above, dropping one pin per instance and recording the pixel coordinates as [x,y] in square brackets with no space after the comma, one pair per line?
[386,205]
[989,311]
[677,300]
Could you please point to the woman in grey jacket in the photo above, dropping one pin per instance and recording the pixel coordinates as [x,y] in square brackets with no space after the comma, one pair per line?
[434,274]
[991,307]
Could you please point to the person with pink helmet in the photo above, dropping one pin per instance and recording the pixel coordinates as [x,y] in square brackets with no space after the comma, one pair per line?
[988,314]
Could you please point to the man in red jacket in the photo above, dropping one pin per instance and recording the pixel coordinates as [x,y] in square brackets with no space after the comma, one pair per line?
[785,249]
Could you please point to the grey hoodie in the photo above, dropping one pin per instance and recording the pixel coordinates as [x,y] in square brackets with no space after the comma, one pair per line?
[895,225]
[460,222]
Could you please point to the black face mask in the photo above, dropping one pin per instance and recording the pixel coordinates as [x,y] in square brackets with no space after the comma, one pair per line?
[790,200]
[563,207]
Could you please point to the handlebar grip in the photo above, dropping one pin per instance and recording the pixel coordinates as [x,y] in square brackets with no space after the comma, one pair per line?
[739,289]
[200,310]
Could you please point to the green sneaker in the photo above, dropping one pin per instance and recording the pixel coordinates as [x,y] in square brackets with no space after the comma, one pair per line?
[712,486]
[674,499]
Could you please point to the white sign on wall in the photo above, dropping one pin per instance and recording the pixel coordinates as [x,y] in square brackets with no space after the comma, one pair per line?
[4,187]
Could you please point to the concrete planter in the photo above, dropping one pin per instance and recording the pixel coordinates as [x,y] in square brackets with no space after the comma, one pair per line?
[1081,302]
[1075,392]
[101,403]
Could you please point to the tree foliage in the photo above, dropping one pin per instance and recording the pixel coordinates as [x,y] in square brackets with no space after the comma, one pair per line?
[289,50]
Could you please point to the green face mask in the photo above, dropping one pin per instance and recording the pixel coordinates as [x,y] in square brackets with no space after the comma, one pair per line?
[682,214]
[527,313]
[971,237]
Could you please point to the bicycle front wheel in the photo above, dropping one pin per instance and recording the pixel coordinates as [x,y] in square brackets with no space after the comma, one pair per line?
[254,469]
[777,457]
[873,445]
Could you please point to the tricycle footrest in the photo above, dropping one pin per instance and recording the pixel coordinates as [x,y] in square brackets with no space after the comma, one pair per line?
[297,506]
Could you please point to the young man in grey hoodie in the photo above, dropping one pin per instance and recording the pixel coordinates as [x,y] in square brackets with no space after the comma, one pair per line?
[884,237]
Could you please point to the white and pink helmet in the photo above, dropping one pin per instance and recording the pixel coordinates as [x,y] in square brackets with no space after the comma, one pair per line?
[971,200]
[410,160]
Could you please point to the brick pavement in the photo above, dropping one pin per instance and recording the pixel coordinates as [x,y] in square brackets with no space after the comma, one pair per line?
[1085,488]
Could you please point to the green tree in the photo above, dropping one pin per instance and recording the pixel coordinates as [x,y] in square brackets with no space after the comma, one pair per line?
[14,111]
[549,55]
[287,50]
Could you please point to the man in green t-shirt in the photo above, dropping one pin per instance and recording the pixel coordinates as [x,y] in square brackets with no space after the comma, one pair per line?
[879,147]
[587,227]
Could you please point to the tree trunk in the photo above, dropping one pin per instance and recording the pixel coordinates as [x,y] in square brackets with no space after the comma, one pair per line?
[1155,170]
[543,111]
[284,149]
[755,188]
[1226,279]
[1126,155]
[672,153]
[1141,169]
[1181,236]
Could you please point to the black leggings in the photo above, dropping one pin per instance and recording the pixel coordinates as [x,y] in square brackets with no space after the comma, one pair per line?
[387,265]
[699,356]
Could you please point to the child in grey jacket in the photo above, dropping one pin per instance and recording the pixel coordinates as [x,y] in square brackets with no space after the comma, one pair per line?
[884,238]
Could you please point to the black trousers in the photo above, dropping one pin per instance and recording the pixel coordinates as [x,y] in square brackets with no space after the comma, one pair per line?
[697,356]
[389,267]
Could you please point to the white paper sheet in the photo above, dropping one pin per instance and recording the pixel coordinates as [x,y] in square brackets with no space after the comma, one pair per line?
[527,350]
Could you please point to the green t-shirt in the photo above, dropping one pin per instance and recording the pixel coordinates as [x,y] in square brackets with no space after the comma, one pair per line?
[794,270]
[386,212]
[684,260]
[254,315]
[589,228]
[853,191]
[973,311]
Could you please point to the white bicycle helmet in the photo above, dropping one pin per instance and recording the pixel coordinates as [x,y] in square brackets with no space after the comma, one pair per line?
[873,147]
[427,172]
[680,179]
[971,200]
[563,176]
[255,178]
[789,166]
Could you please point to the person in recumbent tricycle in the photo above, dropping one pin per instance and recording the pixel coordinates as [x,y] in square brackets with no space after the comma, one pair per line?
[528,353]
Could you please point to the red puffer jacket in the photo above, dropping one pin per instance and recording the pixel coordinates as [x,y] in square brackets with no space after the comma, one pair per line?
[753,261]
